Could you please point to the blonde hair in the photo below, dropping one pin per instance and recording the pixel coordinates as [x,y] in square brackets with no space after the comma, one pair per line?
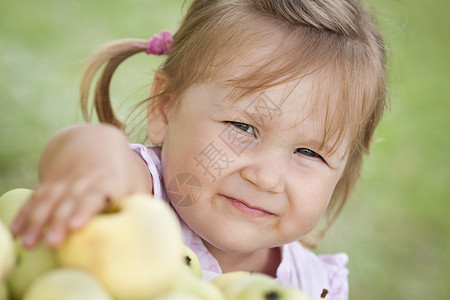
[336,40]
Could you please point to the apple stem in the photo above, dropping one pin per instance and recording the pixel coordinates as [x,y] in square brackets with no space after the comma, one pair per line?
[187,260]
[324,293]
[272,296]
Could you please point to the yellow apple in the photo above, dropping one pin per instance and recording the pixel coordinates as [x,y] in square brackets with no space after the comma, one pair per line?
[30,263]
[177,296]
[133,250]
[66,284]
[190,259]
[7,251]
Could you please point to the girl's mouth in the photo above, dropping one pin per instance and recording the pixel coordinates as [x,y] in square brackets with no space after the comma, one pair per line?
[252,211]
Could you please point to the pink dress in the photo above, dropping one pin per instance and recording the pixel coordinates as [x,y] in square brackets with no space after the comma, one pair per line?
[299,266]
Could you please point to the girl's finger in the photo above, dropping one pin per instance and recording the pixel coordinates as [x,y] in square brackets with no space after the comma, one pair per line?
[20,220]
[34,224]
[57,225]
[34,216]
[89,206]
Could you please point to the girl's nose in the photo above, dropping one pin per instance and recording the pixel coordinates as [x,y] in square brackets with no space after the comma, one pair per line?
[265,175]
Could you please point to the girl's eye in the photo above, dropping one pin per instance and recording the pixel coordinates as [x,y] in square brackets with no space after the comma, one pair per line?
[244,127]
[308,152]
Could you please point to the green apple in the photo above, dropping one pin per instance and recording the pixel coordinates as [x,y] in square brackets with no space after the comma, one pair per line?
[190,284]
[11,202]
[222,280]
[4,294]
[7,251]
[30,263]
[133,250]
[66,284]
[259,286]
[191,260]
[242,285]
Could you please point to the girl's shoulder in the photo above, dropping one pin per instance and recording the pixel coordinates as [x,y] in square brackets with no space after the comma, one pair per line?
[302,268]
[151,155]
[147,153]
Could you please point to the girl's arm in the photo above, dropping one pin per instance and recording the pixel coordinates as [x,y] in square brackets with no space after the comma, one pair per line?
[81,170]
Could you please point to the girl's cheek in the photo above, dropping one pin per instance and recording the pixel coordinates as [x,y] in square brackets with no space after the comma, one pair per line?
[184,190]
[219,154]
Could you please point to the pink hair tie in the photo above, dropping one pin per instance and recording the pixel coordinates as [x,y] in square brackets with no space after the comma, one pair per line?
[159,44]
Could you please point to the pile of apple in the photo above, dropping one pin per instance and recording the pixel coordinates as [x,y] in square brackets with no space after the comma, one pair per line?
[131,252]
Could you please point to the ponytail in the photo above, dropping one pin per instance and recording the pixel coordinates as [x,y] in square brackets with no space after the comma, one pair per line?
[111,55]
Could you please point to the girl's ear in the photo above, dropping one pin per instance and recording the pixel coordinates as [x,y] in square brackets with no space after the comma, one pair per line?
[157,110]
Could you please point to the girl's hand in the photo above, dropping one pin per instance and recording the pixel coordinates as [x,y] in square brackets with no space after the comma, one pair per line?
[81,170]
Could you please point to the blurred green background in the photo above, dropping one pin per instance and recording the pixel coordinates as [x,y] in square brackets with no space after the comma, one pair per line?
[395,228]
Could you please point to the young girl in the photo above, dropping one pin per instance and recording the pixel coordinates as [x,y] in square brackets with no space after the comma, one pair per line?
[259,118]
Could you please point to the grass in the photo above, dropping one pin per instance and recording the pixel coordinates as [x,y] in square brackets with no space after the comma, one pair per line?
[395,228]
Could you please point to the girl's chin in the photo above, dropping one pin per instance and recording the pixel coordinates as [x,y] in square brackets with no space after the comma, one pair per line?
[237,244]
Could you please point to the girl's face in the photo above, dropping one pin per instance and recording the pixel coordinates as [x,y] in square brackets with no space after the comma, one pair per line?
[249,174]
